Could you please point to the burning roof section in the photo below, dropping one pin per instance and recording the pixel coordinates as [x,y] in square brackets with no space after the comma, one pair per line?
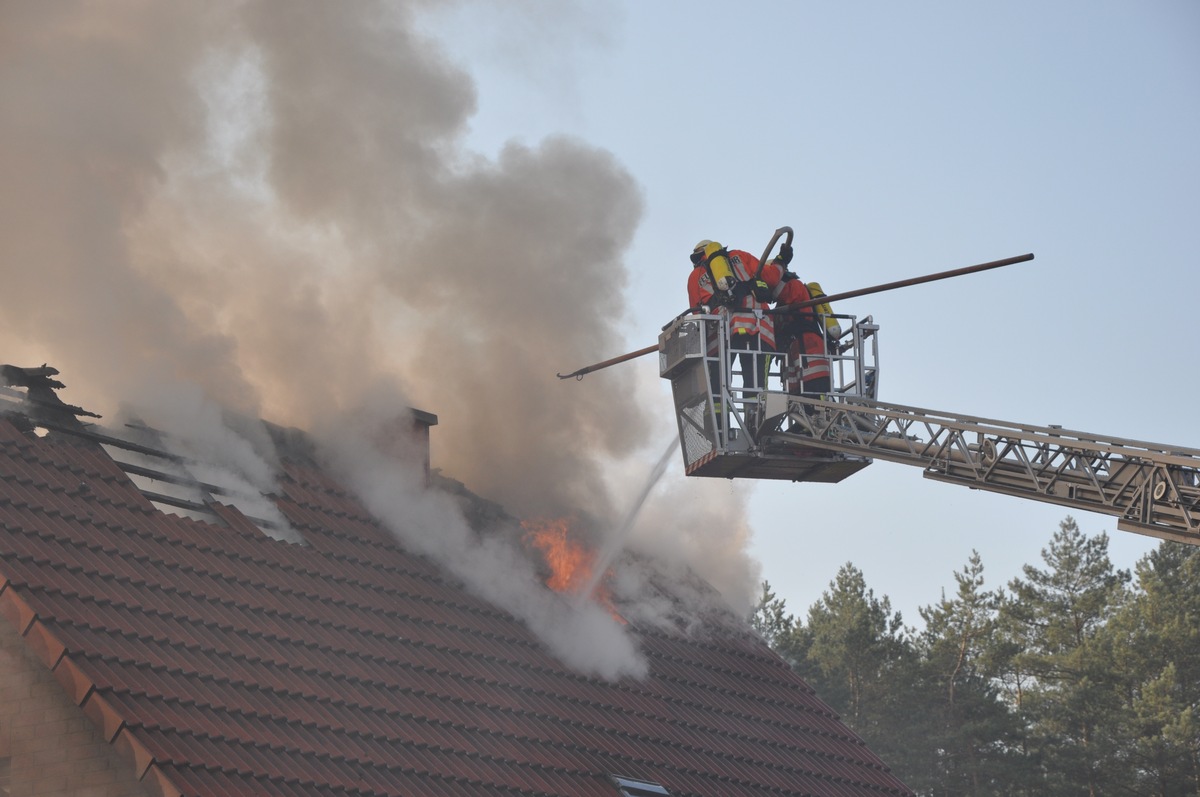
[218,659]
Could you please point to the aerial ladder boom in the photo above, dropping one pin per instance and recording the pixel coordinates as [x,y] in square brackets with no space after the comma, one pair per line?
[730,430]
[1151,489]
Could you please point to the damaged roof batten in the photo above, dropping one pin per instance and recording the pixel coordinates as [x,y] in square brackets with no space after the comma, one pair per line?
[50,413]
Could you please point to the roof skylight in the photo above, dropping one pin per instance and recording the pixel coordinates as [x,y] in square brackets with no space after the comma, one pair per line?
[631,787]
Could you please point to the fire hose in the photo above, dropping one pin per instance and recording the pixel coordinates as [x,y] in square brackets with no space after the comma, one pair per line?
[792,308]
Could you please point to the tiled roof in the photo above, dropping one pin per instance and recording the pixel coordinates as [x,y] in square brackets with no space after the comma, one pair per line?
[221,662]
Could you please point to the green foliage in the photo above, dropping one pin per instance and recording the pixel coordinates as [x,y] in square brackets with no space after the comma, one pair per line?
[770,618]
[973,736]
[1156,640]
[853,642]
[1077,680]
[1071,701]
[857,654]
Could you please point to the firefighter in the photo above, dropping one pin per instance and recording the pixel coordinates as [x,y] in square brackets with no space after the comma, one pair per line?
[730,279]
[804,338]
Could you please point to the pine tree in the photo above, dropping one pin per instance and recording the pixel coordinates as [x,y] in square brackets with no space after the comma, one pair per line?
[771,620]
[1072,697]
[855,652]
[1156,637]
[1070,684]
[972,732]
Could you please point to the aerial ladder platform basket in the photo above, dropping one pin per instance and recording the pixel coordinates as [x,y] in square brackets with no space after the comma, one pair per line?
[724,429]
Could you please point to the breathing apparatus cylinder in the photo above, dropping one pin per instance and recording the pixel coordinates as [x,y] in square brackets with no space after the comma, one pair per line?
[715,260]
[832,328]
[721,271]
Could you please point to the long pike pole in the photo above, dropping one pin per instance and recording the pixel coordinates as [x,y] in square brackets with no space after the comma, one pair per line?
[887,286]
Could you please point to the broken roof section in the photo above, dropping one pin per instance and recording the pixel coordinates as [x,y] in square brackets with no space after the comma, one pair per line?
[217,660]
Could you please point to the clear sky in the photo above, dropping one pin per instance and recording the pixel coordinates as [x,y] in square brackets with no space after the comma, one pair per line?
[900,139]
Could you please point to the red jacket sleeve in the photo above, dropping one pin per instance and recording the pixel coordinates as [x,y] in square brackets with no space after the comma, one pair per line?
[699,291]
[772,272]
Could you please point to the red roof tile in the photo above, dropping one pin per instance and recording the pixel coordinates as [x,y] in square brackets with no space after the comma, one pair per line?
[222,662]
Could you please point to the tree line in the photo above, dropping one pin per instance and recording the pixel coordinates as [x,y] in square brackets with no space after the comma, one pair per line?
[1078,679]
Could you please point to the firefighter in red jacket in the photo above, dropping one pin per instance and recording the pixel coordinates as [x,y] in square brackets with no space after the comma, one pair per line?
[803,337]
[731,279]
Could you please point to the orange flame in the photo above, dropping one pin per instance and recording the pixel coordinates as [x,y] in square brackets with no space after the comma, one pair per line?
[570,561]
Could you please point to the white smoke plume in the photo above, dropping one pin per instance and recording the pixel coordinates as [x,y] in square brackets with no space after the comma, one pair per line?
[389,479]
[270,202]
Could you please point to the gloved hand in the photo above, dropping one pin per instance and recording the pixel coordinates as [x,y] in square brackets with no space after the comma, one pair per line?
[703,309]
[785,253]
[762,291]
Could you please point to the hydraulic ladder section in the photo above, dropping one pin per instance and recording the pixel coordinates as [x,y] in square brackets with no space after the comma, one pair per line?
[1152,489]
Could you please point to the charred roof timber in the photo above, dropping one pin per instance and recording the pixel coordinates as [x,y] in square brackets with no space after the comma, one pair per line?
[40,407]
[41,402]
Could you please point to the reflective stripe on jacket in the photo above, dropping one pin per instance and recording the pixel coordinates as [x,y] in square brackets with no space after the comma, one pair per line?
[806,362]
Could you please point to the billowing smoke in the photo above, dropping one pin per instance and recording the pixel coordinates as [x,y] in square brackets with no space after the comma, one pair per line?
[580,633]
[270,202]
[93,99]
